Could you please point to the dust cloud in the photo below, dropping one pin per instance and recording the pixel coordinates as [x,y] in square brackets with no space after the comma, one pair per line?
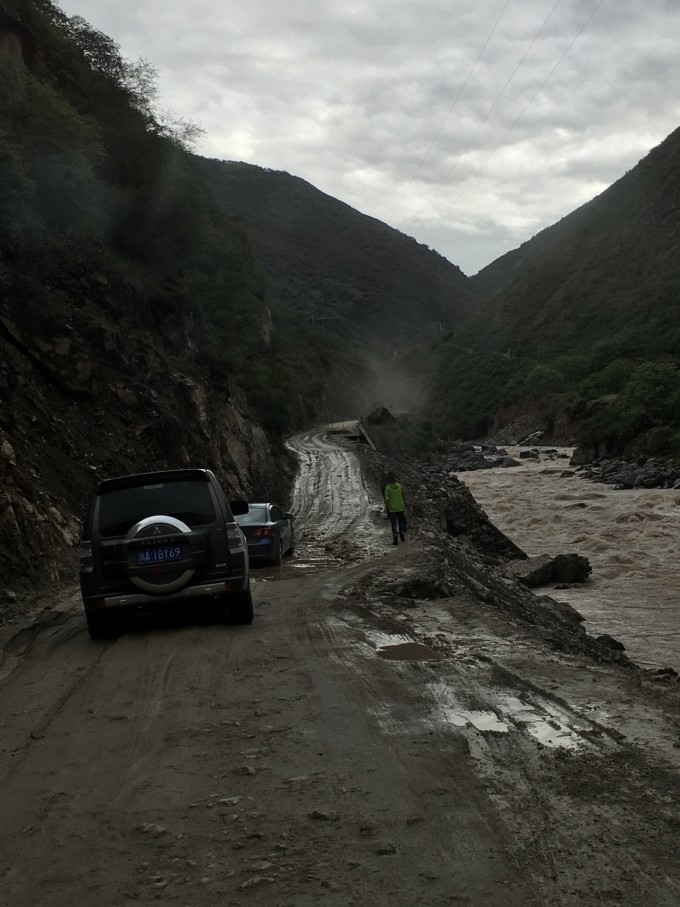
[391,383]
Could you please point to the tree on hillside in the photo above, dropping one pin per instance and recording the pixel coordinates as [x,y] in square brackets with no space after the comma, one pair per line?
[138,79]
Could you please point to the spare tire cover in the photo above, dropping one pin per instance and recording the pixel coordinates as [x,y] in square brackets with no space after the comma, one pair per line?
[167,581]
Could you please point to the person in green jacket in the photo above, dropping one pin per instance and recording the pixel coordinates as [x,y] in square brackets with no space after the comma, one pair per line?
[395,507]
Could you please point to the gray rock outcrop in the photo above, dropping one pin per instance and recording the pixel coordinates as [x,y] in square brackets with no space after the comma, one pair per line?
[460,515]
[75,409]
[539,571]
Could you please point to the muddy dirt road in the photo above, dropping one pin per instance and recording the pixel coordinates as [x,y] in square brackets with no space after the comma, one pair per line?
[354,746]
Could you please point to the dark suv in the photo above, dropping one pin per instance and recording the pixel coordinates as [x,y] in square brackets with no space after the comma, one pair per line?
[159,540]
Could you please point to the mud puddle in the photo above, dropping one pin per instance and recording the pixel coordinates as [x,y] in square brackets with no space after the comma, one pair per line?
[546,722]
[549,724]
[409,651]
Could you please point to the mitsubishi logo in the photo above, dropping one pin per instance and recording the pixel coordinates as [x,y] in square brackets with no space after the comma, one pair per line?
[157,530]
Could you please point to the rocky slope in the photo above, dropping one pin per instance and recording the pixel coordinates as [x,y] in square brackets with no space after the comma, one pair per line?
[75,409]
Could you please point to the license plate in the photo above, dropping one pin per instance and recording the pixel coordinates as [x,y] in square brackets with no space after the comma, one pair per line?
[159,555]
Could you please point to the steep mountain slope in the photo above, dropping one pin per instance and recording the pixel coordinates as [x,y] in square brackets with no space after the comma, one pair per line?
[616,255]
[368,282]
[135,327]
[585,322]
[499,273]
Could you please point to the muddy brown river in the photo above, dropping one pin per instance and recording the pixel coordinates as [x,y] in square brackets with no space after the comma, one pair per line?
[631,538]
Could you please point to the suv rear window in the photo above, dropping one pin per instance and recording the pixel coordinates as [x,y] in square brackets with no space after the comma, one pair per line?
[188,501]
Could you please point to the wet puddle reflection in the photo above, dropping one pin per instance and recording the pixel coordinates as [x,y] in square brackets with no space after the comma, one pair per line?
[482,721]
[409,651]
[542,720]
[549,729]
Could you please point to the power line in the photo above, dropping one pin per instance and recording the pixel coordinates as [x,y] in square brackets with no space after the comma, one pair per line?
[519,116]
[450,111]
[497,99]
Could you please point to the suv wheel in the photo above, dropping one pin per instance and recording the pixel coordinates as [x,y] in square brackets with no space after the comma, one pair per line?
[149,528]
[101,626]
[277,560]
[240,608]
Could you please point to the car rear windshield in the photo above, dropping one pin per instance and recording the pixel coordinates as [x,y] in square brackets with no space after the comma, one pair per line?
[257,513]
[189,501]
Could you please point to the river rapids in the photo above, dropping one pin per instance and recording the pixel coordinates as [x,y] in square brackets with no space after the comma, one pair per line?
[630,537]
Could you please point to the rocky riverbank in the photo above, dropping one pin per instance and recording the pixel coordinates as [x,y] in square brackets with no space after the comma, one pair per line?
[466,456]
[476,558]
[625,475]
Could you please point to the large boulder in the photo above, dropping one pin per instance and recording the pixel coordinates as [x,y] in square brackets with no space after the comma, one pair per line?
[534,571]
[539,571]
[570,568]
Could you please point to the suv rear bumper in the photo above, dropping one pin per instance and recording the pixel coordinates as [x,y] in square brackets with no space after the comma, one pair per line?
[140,601]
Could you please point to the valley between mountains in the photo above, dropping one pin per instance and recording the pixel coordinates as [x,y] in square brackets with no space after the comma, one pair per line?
[364,742]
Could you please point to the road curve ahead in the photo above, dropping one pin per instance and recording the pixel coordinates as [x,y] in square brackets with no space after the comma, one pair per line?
[335,517]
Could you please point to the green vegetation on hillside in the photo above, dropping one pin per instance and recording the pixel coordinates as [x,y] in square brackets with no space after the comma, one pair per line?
[104,215]
[585,326]
[365,282]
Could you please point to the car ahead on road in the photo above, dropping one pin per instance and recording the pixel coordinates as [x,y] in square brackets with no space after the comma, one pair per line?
[158,541]
[269,532]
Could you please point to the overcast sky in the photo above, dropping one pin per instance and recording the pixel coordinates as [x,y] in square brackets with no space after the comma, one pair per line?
[467,124]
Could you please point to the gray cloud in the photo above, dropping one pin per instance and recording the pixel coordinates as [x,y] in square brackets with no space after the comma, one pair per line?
[468,131]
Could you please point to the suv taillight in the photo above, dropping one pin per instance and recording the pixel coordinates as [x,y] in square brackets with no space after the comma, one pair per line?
[265,532]
[86,554]
[234,538]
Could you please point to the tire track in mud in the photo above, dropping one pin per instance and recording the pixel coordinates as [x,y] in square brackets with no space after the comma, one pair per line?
[335,517]
[557,781]
[417,789]
[332,501]
[198,762]
[474,696]
[19,741]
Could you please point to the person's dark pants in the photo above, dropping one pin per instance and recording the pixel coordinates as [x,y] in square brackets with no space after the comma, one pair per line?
[398,523]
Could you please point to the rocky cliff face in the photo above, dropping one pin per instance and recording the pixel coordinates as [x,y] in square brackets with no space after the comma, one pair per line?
[76,408]
[532,414]
[16,40]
